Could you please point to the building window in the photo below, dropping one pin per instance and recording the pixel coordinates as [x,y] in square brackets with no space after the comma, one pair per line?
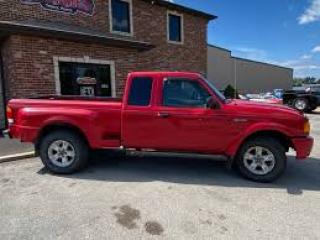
[140,92]
[175,27]
[85,79]
[121,16]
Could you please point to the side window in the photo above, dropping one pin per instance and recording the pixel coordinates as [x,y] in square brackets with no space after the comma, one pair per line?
[140,92]
[184,93]
[121,19]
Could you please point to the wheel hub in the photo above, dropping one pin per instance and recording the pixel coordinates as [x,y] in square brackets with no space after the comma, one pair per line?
[61,153]
[259,160]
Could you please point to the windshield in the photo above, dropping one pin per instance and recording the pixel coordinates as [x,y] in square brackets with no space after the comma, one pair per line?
[215,90]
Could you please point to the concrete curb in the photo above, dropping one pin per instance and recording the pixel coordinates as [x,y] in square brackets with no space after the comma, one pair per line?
[17,157]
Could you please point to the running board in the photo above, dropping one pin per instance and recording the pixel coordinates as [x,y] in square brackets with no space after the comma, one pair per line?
[143,152]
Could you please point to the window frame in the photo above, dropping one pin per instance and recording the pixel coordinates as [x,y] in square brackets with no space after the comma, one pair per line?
[130,19]
[87,60]
[182,79]
[174,13]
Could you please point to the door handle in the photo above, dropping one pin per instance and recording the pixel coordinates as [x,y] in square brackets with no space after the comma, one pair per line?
[163,115]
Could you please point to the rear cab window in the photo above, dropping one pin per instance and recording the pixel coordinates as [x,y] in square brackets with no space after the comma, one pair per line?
[140,91]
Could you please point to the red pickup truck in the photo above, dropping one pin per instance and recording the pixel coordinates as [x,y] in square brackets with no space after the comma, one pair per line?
[166,112]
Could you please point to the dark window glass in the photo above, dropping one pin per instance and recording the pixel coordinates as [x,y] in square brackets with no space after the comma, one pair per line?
[121,16]
[175,26]
[184,93]
[85,79]
[140,92]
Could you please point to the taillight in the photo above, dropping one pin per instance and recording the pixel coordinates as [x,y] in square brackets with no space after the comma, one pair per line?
[10,115]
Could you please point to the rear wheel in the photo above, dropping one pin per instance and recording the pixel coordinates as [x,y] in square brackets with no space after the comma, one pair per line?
[63,152]
[301,104]
[262,160]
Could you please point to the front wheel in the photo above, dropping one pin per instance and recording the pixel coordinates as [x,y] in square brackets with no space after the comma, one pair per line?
[262,160]
[63,152]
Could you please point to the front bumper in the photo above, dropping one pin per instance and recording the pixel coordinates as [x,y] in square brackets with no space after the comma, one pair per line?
[303,146]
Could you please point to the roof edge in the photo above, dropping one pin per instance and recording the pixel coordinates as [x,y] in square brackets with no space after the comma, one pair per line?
[182,8]
[259,62]
[217,47]
[247,60]
[11,27]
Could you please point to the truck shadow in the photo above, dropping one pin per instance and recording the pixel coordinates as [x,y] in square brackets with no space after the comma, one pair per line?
[300,175]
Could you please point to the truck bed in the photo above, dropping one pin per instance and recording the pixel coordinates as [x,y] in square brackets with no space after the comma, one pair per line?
[99,119]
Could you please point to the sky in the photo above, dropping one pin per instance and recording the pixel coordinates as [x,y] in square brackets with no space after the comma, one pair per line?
[283,32]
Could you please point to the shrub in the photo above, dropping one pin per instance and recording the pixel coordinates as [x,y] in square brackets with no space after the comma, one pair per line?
[230,92]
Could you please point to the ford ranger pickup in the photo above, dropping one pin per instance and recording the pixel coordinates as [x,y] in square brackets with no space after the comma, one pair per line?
[176,112]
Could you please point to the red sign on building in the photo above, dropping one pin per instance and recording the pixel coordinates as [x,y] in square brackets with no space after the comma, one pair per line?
[69,6]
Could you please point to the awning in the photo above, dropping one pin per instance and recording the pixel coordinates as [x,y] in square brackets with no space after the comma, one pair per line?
[69,33]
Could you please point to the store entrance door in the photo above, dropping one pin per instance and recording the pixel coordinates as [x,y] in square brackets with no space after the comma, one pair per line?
[85,79]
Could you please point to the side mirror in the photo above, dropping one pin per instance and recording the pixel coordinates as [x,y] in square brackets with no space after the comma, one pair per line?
[213,104]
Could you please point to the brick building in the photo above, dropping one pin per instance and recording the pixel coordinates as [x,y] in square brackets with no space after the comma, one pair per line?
[89,46]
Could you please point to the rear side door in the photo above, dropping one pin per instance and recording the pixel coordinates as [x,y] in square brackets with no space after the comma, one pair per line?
[138,115]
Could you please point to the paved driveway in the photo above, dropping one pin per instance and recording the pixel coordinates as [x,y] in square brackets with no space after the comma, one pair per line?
[159,198]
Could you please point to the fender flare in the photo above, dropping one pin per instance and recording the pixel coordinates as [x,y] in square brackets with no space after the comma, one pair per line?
[53,124]
[234,147]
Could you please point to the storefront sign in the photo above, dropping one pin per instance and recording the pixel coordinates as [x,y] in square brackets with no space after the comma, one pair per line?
[68,6]
[86,81]
[87,91]
[87,86]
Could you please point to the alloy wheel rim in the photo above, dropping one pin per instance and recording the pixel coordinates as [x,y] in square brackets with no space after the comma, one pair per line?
[61,153]
[259,160]
[300,104]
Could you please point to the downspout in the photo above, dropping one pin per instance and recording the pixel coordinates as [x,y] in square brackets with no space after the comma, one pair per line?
[3,82]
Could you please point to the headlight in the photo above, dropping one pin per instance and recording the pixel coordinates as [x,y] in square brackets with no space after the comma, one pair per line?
[306,127]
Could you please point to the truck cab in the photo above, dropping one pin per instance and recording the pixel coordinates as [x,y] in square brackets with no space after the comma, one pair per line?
[173,112]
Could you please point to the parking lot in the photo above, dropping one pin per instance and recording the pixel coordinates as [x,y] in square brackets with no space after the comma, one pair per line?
[159,198]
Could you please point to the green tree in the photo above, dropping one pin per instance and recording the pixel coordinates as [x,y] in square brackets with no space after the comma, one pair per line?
[297,82]
[230,92]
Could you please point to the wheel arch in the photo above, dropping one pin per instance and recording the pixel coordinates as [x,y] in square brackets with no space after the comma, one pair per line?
[59,126]
[284,140]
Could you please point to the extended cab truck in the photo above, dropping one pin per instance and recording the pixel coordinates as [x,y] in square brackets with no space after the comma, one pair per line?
[162,111]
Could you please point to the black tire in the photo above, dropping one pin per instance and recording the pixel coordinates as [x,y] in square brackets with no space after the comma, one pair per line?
[313,108]
[306,107]
[275,148]
[80,151]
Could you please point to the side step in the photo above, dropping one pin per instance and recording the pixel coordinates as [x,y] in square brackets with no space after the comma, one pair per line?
[149,152]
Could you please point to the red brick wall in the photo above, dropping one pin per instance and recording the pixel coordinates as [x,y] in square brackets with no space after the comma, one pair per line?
[28,61]
[30,68]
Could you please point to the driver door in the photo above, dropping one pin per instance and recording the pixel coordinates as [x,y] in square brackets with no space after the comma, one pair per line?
[184,122]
